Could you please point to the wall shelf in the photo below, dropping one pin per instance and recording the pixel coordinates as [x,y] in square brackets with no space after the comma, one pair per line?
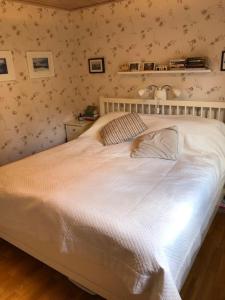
[186,71]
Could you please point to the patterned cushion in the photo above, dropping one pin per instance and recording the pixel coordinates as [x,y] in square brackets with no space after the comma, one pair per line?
[157,144]
[122,129]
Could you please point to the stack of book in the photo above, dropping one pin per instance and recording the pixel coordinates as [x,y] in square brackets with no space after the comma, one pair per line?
[91,118]
[197,63]
[177,64]
[91,113]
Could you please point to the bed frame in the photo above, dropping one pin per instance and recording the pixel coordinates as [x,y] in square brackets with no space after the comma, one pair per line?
[204,109]
[99,280]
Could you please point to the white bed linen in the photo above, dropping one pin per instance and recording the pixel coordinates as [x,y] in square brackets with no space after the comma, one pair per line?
[141,219]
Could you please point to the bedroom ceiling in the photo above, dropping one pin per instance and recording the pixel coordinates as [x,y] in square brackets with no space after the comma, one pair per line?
[66,4]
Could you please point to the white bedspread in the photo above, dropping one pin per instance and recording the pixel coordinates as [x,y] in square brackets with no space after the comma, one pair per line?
[140,218]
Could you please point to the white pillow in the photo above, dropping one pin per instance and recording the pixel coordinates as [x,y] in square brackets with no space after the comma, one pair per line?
[162,144]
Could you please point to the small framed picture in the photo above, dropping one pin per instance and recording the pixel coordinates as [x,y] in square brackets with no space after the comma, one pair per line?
[223,61]
[7,72]
[161,68]
[148,66]
[96,65]
[40,64]
[134,66]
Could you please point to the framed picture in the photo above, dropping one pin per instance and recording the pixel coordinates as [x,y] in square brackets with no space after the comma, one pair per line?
[148,66]
[40,64]
[134,66]
[96,65]
[161,68]
[223,61]
[7,71]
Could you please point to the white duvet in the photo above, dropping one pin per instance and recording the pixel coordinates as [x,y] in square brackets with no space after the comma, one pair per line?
[141,219]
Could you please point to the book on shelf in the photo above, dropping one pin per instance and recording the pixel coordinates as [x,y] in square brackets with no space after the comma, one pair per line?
[177,68]
[177,64]
[189,63]
[197,62]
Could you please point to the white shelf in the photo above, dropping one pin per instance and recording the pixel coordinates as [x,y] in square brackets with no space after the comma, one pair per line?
[189,71]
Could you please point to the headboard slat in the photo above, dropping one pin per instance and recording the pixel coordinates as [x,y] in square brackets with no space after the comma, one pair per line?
[204,109]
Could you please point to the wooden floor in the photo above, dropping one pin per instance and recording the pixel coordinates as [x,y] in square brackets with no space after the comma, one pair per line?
[24,278]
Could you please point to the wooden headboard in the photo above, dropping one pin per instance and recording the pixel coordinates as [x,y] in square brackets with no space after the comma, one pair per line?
[204,109]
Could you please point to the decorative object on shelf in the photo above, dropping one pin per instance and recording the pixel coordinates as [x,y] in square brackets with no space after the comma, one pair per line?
[148,66]
[197,63]
[96,65]
[7,71]
[134,66]
[177,64]
[161,68]
[40,64]
[223,61]
[168,72]
[160,93]
[124,68]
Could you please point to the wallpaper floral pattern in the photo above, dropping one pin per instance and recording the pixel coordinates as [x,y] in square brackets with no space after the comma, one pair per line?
[32,111]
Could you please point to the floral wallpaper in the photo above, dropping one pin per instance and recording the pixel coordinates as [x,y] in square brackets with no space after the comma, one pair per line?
[151,30]
[32,111]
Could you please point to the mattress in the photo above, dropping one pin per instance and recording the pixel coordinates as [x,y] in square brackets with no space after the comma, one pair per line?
[82,206]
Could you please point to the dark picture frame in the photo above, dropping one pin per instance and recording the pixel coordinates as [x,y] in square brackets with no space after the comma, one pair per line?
[96,65]
[3,66]
[222,68]
[148,66]
[7,72]
[134,66]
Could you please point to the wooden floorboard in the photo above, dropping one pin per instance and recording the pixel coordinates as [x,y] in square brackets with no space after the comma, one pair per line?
[24,278]
[206,280]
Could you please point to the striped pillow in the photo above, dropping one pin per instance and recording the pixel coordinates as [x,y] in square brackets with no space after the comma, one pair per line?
[122,129]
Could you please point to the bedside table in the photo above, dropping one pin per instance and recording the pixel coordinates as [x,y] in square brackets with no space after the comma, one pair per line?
[75,128]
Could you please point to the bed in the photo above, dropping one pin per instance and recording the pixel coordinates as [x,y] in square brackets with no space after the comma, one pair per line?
[123,228]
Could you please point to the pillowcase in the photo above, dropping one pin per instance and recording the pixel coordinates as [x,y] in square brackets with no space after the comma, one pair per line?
[162,144]
[122,129]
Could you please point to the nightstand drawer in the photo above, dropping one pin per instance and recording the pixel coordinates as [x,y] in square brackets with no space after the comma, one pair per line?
[75,128]
[72,132]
